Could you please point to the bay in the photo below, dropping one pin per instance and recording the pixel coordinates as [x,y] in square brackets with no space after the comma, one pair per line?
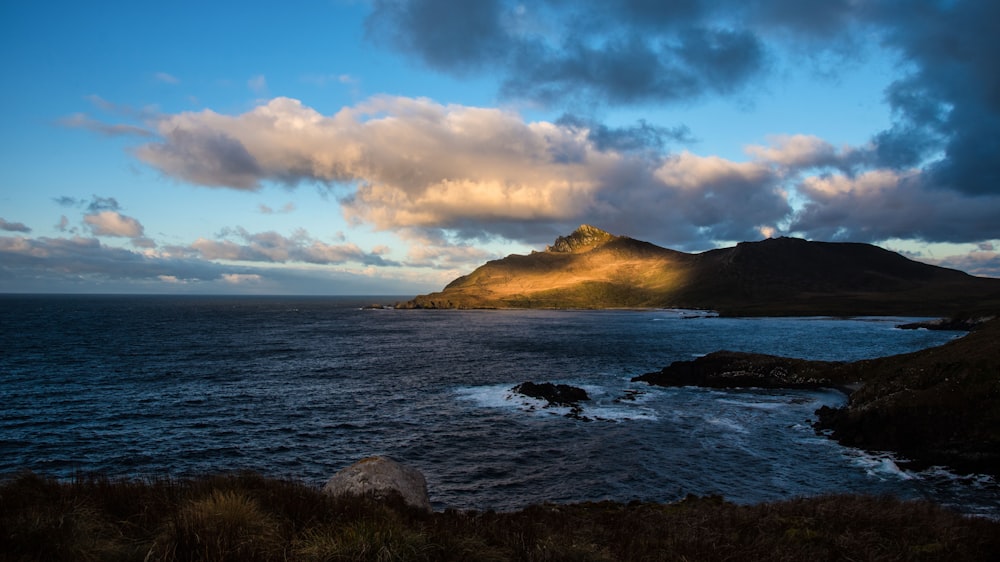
[299,387]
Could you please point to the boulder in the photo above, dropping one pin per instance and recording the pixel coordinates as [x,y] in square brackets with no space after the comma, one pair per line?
[380,478]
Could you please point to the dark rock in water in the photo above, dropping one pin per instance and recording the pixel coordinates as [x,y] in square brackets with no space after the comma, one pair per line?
[554,394]
[557,395]
[381,477]
[733,369]
[964,324]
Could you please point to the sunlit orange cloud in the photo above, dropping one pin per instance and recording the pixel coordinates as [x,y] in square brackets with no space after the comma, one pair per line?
[411,162]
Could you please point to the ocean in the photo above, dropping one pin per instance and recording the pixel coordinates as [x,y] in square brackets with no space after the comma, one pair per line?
[300,387]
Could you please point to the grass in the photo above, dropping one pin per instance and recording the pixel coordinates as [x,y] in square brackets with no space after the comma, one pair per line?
[249,517]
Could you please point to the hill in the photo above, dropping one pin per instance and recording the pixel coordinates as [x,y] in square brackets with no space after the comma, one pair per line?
[592,268]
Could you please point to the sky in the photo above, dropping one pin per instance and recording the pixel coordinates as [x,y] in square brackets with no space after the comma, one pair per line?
[386,147]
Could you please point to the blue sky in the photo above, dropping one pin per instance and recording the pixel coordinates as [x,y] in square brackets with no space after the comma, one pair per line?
[387,147]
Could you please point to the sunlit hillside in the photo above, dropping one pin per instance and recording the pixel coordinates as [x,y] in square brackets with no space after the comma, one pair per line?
[591,268]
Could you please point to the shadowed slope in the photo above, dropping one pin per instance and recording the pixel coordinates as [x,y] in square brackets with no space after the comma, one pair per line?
[594,269]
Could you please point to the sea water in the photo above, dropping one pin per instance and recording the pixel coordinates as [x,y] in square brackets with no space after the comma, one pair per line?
[296,387]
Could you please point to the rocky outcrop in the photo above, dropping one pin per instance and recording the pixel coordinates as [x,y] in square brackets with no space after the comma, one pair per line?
[584,238]
[732,369]
[554,394]
[958,323]
[938,406]
[381,478]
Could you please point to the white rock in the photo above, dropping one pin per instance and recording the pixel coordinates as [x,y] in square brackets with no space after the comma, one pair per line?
[378,477]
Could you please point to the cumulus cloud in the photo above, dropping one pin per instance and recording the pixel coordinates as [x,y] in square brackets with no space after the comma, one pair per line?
[882,204]
[478,172]
[13,226]
[946,110]
[803,152]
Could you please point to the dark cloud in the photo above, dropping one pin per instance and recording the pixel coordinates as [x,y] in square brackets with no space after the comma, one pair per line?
[642,136]
[630,52]
[96,204]
[205,158]
[13,226]
[448,35]
[87,256]
[881,205]
[635,68]
[946,103]
[949,102]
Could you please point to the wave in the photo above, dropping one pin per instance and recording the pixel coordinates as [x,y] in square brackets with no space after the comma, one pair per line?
[621,405]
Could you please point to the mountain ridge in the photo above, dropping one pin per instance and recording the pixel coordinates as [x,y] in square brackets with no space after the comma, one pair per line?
[591,268]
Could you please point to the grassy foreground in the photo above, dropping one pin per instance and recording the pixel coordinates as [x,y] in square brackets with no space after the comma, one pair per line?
[247,517]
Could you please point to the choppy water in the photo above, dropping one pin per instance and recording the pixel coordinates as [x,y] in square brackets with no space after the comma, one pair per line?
[301,387]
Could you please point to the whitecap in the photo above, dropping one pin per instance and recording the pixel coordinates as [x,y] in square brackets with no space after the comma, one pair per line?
[755,404]
[603,405]
[880,465]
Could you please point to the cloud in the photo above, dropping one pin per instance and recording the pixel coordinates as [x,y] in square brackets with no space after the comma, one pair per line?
[949,103]
[86,265]
[802,152]
[984,262]
[286,208]
[203,157]
[272,247]
[479,172]
[112,223]
[81,121]
[241,278]
[434,249]
[882,204]
[642,136]
[945,103]
[98,204]
[622,52]
[13,226]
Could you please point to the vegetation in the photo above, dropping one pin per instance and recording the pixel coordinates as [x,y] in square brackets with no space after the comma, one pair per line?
[247,517]
[937,406]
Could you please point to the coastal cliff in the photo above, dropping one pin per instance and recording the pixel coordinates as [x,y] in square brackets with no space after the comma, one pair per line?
[937,406]
[591,268]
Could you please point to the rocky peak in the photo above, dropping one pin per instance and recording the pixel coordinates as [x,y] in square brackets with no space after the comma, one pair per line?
[582,239]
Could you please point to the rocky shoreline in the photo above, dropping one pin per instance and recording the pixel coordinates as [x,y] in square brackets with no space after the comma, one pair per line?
[938,406]
[733,369]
